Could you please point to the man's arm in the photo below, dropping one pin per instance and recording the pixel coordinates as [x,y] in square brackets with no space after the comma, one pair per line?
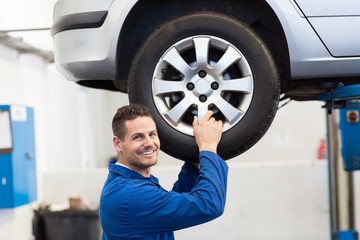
[153,210]
[187,178]
[160,211]
[207,135]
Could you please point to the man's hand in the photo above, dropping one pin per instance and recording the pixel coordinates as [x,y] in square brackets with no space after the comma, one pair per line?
[208,132]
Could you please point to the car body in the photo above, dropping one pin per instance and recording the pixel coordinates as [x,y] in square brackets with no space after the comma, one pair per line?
[235,57]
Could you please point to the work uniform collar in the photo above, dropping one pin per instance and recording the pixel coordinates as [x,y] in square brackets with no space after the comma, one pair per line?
[129,173]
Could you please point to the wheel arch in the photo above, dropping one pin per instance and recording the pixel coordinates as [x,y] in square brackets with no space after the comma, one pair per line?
[256,13]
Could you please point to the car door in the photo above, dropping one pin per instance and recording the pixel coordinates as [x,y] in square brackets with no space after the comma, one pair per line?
[336,22]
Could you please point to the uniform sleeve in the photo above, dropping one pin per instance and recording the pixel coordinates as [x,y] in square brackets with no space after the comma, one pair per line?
[187,178]
[153,210]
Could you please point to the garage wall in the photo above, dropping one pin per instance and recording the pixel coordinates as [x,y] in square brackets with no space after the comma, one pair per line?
[78,123]
[294,136]
[265,200]
[72,124]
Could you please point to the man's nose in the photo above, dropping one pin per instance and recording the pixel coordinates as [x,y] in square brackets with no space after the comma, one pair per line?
[148,141]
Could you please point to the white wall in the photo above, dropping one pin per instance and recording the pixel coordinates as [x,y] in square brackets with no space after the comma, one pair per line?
[72,123]
[294,135]
[78,123]
[265,200]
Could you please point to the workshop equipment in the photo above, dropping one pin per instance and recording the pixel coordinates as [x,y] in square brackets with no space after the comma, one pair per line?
[343,137]
[17,156]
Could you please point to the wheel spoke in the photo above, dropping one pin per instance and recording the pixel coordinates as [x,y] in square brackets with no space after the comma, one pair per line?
[230,112]
[161,86]
[202,109]
[174,115]
[243,85]
[229,57]
[174,58]
[202,51]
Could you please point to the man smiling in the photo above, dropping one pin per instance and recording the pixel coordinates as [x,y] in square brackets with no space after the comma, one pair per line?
[133,205]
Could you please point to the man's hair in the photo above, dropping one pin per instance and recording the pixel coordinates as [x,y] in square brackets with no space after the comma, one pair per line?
[126,113]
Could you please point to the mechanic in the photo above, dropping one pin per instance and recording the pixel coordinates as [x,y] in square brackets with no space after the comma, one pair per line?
[133,205]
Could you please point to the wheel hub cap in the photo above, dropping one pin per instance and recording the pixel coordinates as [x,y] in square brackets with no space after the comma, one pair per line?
[202,87]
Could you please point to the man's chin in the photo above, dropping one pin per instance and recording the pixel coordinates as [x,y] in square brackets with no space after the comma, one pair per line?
[149,161]
[149,164]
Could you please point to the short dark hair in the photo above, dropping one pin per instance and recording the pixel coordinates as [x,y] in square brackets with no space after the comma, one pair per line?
[125,113]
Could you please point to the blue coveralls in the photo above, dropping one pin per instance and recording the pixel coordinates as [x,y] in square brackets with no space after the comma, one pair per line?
[136,207]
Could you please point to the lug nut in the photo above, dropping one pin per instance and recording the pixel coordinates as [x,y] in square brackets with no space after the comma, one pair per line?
[214,85]
[202,74]
[190,86]
[202,98]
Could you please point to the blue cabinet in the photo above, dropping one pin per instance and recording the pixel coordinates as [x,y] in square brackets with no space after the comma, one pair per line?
[17,156]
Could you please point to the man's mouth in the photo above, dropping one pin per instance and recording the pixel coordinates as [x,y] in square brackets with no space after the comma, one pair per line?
[147,152]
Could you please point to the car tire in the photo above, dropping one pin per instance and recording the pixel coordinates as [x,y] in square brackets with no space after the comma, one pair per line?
[206,61]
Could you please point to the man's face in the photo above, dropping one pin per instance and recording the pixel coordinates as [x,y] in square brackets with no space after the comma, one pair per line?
[140,148]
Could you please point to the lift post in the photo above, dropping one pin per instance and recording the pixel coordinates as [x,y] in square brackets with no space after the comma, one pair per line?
[343,158]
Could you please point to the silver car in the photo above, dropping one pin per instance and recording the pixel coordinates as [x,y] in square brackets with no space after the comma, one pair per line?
[235,57]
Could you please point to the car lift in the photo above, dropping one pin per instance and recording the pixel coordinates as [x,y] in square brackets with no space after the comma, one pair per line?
[343,133]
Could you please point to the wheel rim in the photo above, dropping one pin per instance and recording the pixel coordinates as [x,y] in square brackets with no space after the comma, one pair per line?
[201,73]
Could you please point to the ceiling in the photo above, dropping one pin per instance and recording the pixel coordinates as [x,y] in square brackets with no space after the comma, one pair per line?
[25,26]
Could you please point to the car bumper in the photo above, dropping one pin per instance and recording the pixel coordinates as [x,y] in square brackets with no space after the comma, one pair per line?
[79,21]
[85,37]
[84,54]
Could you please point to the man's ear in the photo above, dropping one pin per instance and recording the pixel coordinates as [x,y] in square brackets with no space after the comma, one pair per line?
[117,144]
